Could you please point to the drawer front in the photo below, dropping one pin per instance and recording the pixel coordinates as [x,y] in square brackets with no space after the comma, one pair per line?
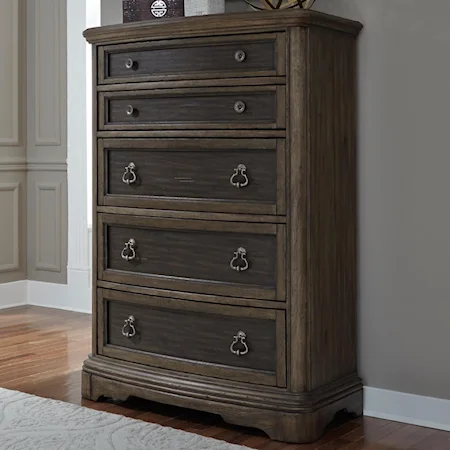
[232,342]
[188,59]
[246,176]
[195,108]
[224,258]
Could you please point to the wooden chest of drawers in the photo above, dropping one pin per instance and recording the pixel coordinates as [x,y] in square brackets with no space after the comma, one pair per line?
[225,217]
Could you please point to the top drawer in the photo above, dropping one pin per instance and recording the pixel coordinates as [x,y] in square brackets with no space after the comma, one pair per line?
[187,59]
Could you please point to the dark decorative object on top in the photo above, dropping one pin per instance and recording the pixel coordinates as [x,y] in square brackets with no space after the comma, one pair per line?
[137,10]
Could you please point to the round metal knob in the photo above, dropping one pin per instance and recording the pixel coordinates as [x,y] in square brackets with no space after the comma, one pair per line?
[239,107]
[239,56]
[129,64]
[130,110]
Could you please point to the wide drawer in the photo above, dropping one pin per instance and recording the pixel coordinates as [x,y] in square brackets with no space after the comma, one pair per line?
[230,342]
[195,108]
[197,58]
[236,176]
[224,258]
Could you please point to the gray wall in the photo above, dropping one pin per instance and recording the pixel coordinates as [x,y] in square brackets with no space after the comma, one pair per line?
[404,301]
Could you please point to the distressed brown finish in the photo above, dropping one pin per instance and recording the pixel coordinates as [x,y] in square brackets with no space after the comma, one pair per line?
[44,349]
[332,224]
[194,59]
[299,229]
[193,174]
[167,329]
[199,108]
[186,214]
[193,255]
[219,24]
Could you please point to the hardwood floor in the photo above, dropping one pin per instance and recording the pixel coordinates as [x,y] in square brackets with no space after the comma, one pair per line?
[41,352]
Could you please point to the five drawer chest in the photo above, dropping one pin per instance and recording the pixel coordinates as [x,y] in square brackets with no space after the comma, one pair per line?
[225,217]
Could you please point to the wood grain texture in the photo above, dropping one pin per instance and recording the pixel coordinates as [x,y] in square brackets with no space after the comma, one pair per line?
[95,55]
[195,58]
[173,252]
[43,350]
[186,214]
[332,206]
[219,24]
[190,337]
[193,174]
[196,108]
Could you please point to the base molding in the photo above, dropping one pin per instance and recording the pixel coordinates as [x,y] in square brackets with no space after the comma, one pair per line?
[13,294]
[75,296]
[407,408]
[296,418]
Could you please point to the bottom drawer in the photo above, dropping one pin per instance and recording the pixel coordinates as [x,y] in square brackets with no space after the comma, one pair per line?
[236,343]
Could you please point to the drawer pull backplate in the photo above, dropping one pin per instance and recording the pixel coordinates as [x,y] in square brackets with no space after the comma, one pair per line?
[129,253]
[240,171]
[239,339]
[129,176]
[129,324]
[239,254]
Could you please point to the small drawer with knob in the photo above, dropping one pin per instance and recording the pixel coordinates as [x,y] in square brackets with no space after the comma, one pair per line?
[236,343]
[212,108]
[206,257]
[196,58]
[210,175]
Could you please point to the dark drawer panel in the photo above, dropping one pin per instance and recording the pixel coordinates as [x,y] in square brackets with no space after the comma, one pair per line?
[236,259]
[201,175]
[198,58]
[156,331]
[196,108]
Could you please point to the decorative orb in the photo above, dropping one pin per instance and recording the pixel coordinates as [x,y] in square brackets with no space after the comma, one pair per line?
[280,4]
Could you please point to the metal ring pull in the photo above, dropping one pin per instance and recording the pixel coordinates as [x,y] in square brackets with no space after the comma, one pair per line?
[129,63]
[239,107]
[129,323]
[239,254]
[240,171]
[131,111]
[129,253]
[239,339]
[129,176]
[239,56]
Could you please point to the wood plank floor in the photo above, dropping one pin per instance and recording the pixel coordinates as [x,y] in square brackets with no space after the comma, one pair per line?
[41,352]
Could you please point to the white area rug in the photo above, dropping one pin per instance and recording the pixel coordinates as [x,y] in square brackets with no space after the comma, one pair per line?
[28,422]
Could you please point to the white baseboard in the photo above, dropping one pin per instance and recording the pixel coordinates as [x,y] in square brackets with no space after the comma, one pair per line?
[75,296]
[13,294]
[407,408]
